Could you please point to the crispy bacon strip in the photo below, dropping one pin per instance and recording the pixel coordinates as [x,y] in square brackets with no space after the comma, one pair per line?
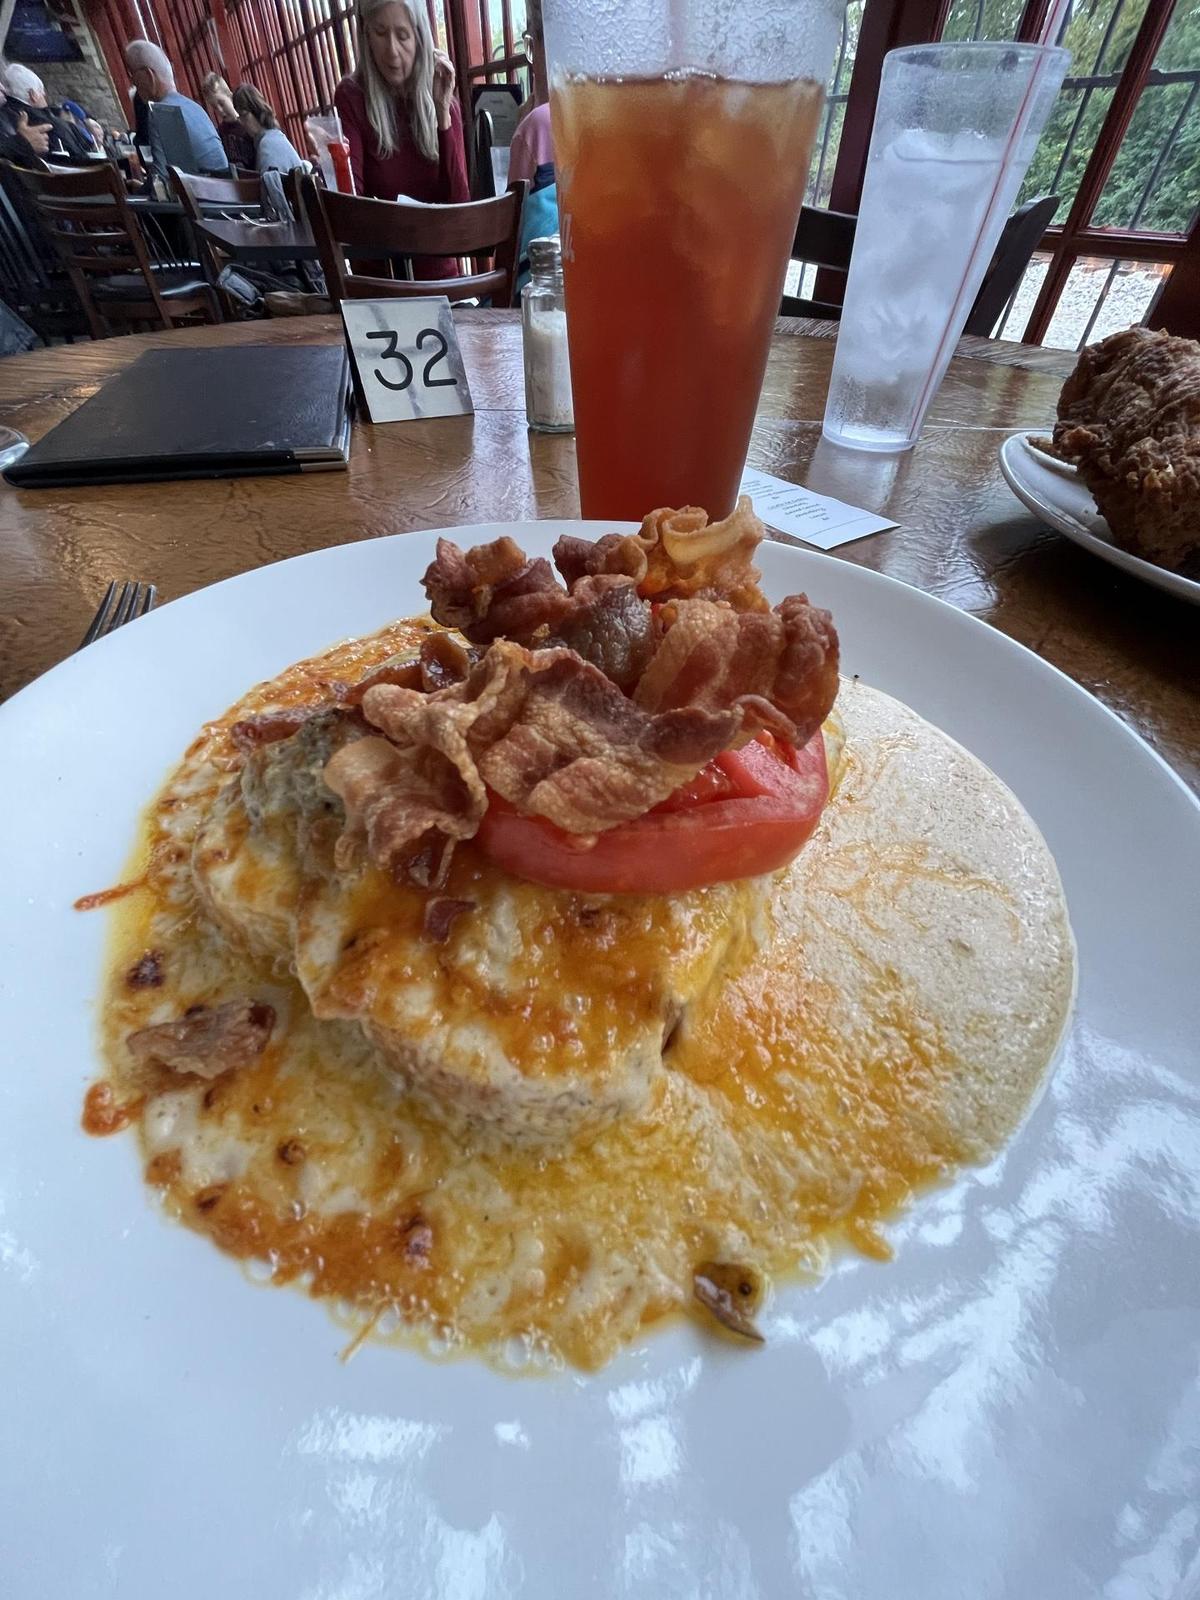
[441,659]
[440,915]
[778,668]
[688,557]
[409,801]
[444,660]
[207,1040]
[615,555]
[542,729]
[493,590]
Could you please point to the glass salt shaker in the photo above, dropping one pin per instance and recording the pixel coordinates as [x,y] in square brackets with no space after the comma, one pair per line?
[544,329]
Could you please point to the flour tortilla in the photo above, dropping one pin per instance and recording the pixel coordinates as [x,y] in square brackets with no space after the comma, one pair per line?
[927,880]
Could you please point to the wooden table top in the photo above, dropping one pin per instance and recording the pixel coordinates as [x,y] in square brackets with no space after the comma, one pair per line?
[962,536]
[259,241]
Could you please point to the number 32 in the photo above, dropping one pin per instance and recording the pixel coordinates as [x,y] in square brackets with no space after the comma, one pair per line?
[393,353]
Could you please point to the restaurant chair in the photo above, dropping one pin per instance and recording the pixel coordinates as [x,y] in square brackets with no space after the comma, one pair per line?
[93,227]
[1022,234]
[202,196]
[823,239]
[33,282]
[198,195]
[379,234]
[484,186]
[826,239]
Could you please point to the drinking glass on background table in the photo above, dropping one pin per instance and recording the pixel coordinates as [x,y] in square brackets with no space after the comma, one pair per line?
[682,136]
[956,127]
[328,144]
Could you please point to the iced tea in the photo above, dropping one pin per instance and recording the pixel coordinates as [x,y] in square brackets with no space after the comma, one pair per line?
[678,200]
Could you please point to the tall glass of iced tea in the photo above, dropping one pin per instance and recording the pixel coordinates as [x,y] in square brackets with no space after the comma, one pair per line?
[682,135]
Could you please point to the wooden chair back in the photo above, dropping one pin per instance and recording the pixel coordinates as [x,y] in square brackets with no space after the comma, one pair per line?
[826,239]
[375,232]
[86,215]
[291,191]
[32,280]
[1022,234]
[196,194]
[193,191]
[823,239]
[484,186]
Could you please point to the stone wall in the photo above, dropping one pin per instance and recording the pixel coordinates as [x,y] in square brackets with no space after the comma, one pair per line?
[86,81]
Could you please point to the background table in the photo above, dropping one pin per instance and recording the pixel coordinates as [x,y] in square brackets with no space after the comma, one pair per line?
[259,241]
[962,535]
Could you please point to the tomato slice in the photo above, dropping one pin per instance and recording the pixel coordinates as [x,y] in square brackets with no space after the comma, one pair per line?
[710,783]
[774,798]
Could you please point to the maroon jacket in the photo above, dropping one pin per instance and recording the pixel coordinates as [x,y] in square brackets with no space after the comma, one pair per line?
[405,171]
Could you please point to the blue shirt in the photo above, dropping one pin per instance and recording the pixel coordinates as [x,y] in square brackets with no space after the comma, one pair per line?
[275,150]
[206,144]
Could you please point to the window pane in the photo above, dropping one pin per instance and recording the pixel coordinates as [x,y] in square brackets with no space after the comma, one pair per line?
[983,19]
[825,150]
[1101,297]
[1128,299]
[1066,146]
[1015,318]
[1099,37]
[1155,180]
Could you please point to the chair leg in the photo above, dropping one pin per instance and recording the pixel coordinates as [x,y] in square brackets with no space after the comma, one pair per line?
[99,328]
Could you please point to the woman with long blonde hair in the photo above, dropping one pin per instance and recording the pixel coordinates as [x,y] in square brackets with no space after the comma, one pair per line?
[399,110]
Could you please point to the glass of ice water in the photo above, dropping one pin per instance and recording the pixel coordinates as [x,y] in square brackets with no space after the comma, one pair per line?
[956,127]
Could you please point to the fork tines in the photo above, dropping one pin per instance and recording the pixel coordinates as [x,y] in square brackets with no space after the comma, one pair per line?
[121,604]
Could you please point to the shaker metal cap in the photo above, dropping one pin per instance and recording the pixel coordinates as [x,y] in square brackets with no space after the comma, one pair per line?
[545,253]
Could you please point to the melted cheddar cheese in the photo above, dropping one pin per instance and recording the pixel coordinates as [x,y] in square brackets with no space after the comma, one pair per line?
[886,1020]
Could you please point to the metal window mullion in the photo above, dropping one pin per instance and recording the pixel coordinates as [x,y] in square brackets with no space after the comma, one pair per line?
[1100,299]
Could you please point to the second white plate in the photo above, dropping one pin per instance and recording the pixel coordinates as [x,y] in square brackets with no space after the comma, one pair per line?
[1065,502]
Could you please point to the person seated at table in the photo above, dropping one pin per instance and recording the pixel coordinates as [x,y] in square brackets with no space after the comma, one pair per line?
[154,79]
[26,106]
[401,117]
[532,148]
[22,143]
[235,141]
[86,124]
[273,150]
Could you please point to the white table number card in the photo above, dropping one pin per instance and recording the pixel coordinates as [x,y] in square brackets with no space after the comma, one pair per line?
[407,363]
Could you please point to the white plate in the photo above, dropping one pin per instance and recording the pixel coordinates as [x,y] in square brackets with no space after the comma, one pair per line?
[1061,498]
[1010,1408]
[1065,468]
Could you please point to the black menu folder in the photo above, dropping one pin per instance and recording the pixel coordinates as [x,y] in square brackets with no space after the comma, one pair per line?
[217,413]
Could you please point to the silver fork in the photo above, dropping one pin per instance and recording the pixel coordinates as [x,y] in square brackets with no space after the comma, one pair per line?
[121,604]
